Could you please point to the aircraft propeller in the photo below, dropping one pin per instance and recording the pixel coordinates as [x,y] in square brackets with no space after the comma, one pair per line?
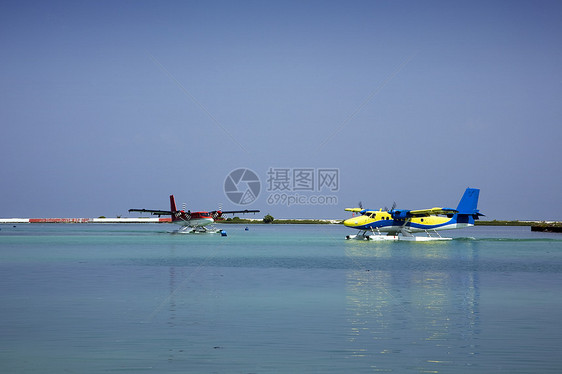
[391,209]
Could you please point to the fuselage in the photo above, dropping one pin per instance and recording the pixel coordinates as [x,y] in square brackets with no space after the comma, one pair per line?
[193,219]
[382,221]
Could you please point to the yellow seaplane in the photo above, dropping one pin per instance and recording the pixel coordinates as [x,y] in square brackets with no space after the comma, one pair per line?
[401,224]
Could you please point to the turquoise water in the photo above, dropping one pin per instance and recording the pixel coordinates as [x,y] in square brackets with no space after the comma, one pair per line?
[87,298]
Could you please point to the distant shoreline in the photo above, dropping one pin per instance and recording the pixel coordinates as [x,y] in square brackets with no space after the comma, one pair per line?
[542,226]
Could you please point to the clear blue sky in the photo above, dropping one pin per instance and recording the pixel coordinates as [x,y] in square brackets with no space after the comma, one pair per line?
[111,105]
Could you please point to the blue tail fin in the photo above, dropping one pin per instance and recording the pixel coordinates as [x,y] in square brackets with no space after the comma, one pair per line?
[467,207]
[469,201]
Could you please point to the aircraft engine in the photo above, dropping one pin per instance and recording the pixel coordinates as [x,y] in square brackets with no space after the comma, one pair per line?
[400,214]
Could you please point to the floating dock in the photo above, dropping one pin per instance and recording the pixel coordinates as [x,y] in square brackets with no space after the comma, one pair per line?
[547,227]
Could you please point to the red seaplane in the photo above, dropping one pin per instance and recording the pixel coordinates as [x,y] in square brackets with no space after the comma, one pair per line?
[193,222]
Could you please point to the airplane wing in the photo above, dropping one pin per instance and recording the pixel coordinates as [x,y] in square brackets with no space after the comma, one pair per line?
[353,209]
[236,211]
[154,212]
[431,212]
[217,214]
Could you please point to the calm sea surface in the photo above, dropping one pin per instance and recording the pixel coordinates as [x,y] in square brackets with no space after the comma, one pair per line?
[94,298]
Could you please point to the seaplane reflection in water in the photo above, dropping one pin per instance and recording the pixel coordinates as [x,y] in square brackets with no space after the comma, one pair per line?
[192,222]
[401,224]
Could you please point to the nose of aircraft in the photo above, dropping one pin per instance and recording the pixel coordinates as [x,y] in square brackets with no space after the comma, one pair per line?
[350,222]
